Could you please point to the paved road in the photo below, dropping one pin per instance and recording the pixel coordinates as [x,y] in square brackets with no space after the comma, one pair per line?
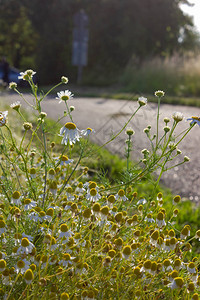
[107,117]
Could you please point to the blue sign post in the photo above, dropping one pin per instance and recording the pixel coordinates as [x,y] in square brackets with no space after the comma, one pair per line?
[80,42]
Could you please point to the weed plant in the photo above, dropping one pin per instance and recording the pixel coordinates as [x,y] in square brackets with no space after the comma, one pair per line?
[65,236]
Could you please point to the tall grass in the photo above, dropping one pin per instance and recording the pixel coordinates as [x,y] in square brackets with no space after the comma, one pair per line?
[179,75]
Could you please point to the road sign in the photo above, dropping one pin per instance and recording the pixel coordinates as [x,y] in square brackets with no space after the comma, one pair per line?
[80,42]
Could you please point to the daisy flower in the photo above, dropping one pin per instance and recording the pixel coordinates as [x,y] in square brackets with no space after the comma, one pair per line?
[28,276]
[142,101]
[64,160]
[93,195]
[29,204]
[195,120]
[64,96]
[70,132]
[3,116]
[2,226]
[26,247]
[177,283]
[66,260]
[16,198]
[22,266]
[16,105]
[121,195]
[64,232]
[160,219]
[28,74]
[86,132]
[177,116]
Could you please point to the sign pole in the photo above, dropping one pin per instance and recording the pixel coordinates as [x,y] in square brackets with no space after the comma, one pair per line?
[80,43]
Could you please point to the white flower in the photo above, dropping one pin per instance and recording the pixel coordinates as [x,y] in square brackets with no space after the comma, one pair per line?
[3,116]
[93,195]
[191,268]
[22,265]
[27,75]
[16,105]
[142,201]
[70,132]
[64,79]
[87,131]
[12,85]
[142,101]
[2,226]
[66,261]
[121,195]
[26,247]
[177,116]
[64,160]
[159,93]
[29,204]
[64,232]
[177,283]
[64,96]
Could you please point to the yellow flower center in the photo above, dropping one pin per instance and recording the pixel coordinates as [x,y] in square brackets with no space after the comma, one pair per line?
[154,266]
[51,172]
[179,281]
[29,275]
[93,192]
[191,265]
[42,213]
[105,210]
[155,235]
[111,199]
[25,242]
[2,264]
[50,212]
[65,97]
[87,213]
[185,231]
[127,250]
[69,190]
[70,126]
[66,256]
[64,228]
[96,207]
[160,216]
[121,193]
[196,118]
[2,224]
[147,264]
[21,264]
[92,185]
[16,195]
[177,262]
[64,158]
[27,201]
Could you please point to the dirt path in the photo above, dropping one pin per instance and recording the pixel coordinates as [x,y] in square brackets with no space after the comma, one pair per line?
[107,117]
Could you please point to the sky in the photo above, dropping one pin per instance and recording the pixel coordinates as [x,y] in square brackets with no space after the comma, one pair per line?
[193,11]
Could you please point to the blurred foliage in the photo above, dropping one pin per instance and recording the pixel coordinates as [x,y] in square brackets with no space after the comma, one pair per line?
[38,34]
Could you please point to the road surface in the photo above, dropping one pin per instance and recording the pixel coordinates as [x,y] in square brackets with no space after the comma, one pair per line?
[108,116]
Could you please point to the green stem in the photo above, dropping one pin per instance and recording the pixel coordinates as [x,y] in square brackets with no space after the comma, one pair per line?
[66,182]
[157,125]
[118,132]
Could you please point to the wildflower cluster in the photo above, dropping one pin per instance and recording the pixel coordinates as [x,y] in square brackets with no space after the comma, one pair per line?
[65,236]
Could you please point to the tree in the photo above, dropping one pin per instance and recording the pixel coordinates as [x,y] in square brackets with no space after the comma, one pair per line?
[18,40]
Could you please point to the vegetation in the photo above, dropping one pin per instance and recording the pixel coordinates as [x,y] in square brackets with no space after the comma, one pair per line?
[67,235]
[39,34]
